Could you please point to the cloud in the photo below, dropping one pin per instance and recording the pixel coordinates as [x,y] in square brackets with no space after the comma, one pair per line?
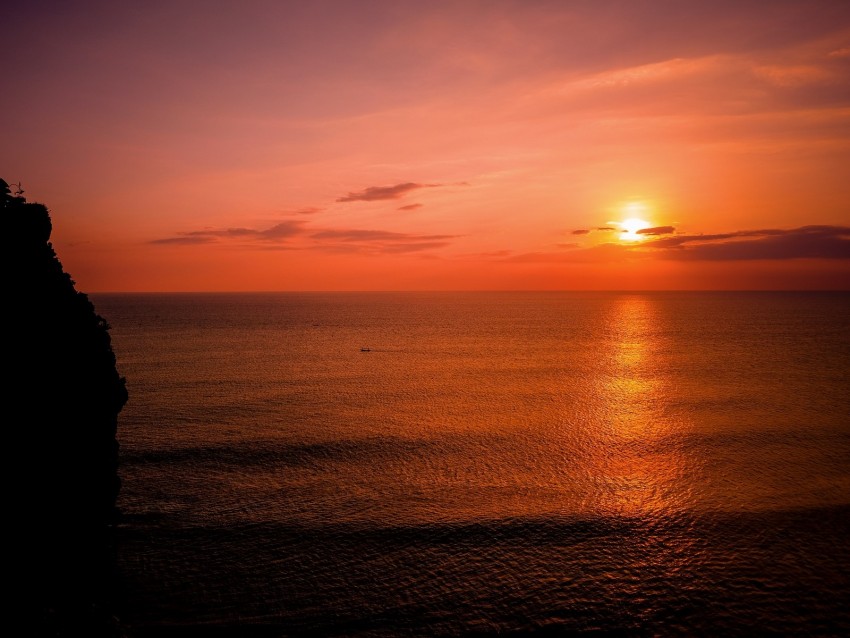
[806,242]
[680,240]
[310,210]
[384,241]
[277,232]
[294,235]
[569,254]
[183,240]
[657,230]
[375,193]
[412,246]
[282,230]
[585,231]
[410,207]
[228,232]
[369,235]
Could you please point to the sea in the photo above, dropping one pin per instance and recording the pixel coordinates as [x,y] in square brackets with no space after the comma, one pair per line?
[483,463]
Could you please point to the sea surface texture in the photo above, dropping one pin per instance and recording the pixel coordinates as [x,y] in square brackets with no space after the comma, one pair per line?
[451,464]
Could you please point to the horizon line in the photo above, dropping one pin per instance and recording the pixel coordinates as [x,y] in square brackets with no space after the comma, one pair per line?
[450,290]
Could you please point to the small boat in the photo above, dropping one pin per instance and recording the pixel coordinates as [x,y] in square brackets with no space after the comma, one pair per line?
[365,349]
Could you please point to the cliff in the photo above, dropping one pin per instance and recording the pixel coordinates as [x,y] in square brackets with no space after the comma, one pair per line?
[64,395]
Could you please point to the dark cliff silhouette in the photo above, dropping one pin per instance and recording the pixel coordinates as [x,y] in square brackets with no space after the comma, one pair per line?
[64,396]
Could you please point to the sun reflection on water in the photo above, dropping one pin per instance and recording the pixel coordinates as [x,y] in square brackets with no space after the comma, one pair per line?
[636,466]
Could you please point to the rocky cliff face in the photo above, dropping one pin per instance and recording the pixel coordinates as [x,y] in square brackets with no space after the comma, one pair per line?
[64,396]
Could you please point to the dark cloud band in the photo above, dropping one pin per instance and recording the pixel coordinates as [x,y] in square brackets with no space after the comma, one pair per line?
[377,193]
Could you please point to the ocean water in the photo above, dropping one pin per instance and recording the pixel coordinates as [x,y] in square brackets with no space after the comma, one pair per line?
[492,463]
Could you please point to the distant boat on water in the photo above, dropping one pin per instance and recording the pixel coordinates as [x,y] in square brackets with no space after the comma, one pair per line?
[365,349]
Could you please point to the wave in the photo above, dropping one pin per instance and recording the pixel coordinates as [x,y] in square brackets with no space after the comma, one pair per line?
[780,573]
[265,452]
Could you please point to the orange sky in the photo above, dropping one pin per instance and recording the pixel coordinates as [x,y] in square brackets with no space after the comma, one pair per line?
[395,145]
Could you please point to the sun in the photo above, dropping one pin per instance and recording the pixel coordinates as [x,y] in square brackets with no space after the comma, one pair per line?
[630,226]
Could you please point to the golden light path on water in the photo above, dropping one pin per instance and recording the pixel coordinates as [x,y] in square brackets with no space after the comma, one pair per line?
[635,468]
[634,464]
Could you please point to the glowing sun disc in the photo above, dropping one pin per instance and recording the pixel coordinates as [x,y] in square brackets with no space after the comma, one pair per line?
[630,228]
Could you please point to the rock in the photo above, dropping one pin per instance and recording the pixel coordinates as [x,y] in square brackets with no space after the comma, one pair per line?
[64,397]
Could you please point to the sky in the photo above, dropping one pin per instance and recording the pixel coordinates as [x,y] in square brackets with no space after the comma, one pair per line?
[440,145]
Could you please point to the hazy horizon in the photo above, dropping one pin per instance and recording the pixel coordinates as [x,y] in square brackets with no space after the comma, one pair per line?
[461,290]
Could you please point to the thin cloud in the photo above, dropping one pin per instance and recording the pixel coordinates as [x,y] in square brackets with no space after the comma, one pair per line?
[587,231]
[413,247]
[681,240]
[370,235]
[378,241]
[283,230]
[410,207]
[656,230]
[227,232]
[186,240]
[806,242]
[376,193]
[569,254]
[293,235]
